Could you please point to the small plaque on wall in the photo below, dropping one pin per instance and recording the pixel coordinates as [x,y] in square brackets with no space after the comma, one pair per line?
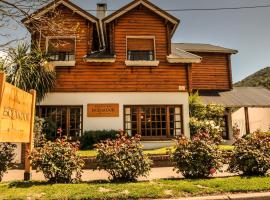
[103,110]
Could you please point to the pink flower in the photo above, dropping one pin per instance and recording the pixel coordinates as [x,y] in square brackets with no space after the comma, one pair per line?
[213,171]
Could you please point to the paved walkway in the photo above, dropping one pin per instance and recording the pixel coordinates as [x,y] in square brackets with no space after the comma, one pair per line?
[91,175]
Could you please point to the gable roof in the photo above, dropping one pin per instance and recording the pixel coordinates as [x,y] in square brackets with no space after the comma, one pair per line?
[56,3]
[148,5]
[196,47]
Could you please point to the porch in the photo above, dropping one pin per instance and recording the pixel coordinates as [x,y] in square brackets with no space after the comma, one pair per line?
[247,108]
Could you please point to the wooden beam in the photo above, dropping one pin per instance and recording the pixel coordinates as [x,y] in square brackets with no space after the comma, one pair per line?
[247,120]
[189,77]
[230,71]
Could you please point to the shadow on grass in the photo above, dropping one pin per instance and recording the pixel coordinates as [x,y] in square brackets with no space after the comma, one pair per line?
[28,184]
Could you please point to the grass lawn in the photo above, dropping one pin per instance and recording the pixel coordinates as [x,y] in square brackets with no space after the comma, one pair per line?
[152,189]
[161,151]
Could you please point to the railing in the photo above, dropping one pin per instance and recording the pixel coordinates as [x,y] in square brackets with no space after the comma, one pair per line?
[140,55]
[62,56]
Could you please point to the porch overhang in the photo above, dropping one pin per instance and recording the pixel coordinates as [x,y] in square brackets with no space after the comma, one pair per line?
[238,97]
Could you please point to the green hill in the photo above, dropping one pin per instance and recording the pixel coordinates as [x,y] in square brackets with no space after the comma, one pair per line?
[260,78]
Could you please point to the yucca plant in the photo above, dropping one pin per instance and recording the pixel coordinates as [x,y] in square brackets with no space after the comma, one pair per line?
[27,69]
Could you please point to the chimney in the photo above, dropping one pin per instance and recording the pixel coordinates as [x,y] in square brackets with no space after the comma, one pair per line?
[101,10]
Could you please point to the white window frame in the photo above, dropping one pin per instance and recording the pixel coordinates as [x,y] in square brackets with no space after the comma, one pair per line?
[153,63]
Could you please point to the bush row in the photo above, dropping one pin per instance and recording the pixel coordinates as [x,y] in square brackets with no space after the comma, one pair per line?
[124,160]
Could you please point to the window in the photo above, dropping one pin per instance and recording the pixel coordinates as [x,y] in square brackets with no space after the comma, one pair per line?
[140,49]
[153,121]
[68,118]
[61,49]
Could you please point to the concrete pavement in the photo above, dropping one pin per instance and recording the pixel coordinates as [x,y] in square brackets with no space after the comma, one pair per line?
[92,175]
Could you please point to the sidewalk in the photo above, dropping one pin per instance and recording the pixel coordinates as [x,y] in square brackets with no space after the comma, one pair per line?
[242,196]
[91,175]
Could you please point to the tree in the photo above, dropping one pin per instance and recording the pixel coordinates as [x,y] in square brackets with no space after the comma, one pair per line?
[29,70]
[205,118]
[13,11]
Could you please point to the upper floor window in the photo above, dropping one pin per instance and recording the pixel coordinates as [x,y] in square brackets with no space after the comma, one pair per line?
[61,49]
[140,48]
[141,51]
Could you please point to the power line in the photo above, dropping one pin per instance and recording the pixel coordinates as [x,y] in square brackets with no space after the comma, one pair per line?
[208,9]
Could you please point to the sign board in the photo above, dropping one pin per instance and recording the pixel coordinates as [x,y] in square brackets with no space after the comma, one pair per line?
[16,113]
[103,110]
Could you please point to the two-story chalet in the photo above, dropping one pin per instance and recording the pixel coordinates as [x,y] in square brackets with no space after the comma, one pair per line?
[121,71]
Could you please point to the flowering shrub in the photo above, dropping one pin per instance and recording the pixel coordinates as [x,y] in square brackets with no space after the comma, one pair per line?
[58,161]
[206,126]
[197,158]
[251,154]
[123,158]
[206,118]
[6,157]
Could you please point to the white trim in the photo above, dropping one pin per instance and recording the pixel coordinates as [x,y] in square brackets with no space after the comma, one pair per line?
[146,5]
[63,63]
[172,59]
[191,54]
[65,3]
[141,63]
[141,37]
[100,60]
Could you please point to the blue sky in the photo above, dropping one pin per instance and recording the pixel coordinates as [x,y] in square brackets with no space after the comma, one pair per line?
[246,30]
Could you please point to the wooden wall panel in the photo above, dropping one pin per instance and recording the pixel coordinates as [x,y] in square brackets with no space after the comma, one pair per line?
[116,77]
[212,73]
[70,24]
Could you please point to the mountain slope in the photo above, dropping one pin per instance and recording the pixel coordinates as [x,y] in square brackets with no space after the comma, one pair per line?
[260,78]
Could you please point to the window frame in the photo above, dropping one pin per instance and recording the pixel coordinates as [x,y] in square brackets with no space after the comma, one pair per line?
[62,63]
[167,114]
[68,107]
[153,62]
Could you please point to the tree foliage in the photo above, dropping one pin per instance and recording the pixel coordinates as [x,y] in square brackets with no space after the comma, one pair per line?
[29,70]
[205,118]
[260,78]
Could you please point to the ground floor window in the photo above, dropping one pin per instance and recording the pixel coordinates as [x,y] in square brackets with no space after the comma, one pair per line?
[154,121]
[65,119]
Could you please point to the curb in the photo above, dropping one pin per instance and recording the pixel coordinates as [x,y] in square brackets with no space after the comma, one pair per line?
[242,196]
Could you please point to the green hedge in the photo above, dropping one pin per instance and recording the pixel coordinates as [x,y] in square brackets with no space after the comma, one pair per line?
[90,138]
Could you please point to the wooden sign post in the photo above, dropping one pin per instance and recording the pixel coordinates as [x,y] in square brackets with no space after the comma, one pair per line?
[17,115]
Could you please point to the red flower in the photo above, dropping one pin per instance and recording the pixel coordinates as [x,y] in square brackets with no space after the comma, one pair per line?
[213,171]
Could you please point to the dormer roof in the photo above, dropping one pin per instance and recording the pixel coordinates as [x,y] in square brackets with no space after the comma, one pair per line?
[76,9]
[175,21]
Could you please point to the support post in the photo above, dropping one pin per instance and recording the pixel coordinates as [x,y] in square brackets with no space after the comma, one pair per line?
[247,120]
[29,146]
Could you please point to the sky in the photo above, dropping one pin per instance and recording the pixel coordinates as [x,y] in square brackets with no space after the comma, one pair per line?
[246,30]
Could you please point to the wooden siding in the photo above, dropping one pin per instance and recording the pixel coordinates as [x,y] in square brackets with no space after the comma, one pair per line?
[141,22]
[212,73]
[71,24]
[116,77]
[119,78]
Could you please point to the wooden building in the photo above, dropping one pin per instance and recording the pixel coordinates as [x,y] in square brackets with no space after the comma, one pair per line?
[122,71]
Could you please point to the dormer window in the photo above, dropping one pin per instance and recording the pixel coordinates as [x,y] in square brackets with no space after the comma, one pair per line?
[141,51]
[61,51]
